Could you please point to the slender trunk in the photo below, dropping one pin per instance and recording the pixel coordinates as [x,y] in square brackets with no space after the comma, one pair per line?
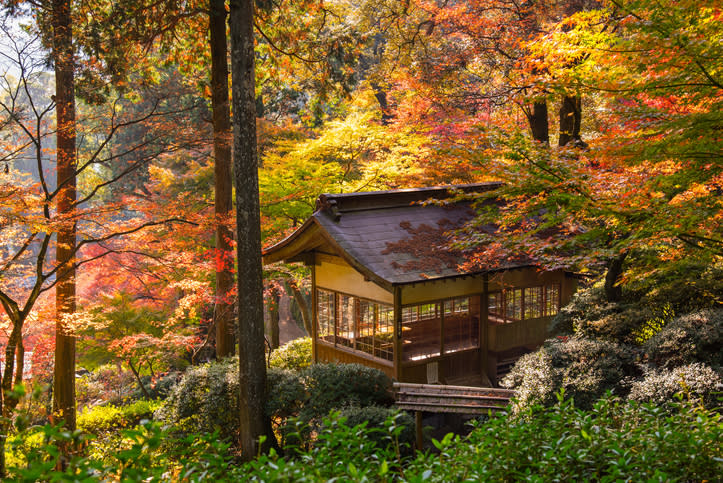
[570,118]
[19,361]
[274,301]
[537,119]
[10,370]
[613,290]
[252,367]
[138,379]
[223,309]
[64,374]
[7,404]
[381,97]
[303,308]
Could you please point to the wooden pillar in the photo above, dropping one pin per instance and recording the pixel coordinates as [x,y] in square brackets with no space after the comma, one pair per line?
[397,292]
[419,430]
[314,314]
[483,323]
[441,330]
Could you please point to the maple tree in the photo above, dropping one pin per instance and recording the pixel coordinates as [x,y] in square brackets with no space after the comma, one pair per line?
[644,195]
[33,205]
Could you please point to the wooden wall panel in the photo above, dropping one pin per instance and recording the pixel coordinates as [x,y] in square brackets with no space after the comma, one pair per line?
[335,274]
[328,353]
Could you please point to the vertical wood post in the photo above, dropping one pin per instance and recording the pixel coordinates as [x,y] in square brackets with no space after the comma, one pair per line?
[314,314]
[483,322]
[420,433]
[397,293]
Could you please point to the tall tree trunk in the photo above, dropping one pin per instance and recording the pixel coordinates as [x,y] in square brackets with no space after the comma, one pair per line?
[223,308]
[64,374]
[613,290]
[570,119]
[274,302]
[252,367]
[537,118]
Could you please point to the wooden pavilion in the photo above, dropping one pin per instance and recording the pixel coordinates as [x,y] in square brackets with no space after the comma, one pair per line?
[387,294]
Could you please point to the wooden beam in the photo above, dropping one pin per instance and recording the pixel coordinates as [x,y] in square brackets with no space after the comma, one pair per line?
[314,316]
[420,430]
[397,294]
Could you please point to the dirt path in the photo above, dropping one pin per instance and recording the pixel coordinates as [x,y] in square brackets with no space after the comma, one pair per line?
[289,329]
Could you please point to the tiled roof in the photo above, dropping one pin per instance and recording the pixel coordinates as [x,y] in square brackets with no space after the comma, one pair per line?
[392,235]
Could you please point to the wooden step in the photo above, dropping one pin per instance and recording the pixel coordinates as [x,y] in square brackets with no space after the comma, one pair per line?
[450,399]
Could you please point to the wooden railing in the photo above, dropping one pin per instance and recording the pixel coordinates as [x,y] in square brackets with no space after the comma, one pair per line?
[450,399]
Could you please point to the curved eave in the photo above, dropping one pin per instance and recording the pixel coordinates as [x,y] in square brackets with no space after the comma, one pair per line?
[309,236]
[356,264]
[303,239]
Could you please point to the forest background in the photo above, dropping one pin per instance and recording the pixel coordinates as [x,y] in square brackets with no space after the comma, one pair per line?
[602,118]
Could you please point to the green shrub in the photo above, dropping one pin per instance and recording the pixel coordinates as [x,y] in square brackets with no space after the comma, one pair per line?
[20,445]
[102,419]
[158,387]
[584,368]
[107,383]
[696,337]
[205,400]
[375,417]
[688,285]
[696,381]
[589,315]
[335,386]
[294,355]
[613,441]
[142,456]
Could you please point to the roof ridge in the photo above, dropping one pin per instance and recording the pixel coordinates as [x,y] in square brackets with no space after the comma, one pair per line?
[337,203]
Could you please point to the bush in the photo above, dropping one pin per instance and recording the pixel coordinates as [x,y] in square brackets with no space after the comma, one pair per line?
[687,285]
[590,316]
[695,337]
[103,419]
[611,442]
[584,368]
[334,386]
[294,355]
[141,456]
[375,417]
[107,383]
[158,387]
[695,381]
[206,399]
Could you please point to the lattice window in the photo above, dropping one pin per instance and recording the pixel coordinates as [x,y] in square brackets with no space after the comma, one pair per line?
[366,326]
[346,319]
[461,328]
[513,304]
[325,314]
[533,302]
[552,299]
[384,334]
[420,332]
